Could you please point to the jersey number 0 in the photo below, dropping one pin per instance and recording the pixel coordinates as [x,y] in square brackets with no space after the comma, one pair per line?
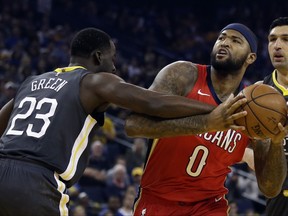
[202,162]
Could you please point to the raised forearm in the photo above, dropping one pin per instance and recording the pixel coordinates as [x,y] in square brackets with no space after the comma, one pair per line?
[270,167]
[149,127]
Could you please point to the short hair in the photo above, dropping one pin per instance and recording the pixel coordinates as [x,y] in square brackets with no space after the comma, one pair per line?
[89,39]
[281,21]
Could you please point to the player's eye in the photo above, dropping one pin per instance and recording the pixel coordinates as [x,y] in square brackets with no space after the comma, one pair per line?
[271,39]
[237,41]
[220,38]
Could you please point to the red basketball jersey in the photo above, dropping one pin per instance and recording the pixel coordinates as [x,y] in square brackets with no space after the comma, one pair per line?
[193,168]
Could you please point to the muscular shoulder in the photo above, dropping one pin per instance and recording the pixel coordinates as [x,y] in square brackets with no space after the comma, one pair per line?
[99,80]
[101,84]
[95,88]
[176,78]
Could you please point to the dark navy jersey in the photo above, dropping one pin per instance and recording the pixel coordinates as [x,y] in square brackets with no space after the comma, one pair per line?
[272,81]
[48,124]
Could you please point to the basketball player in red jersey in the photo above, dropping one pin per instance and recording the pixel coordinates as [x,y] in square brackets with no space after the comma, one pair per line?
[185,171]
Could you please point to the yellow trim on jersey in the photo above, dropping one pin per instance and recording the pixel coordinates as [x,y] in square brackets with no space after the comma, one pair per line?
[282,88]
[64,197]
[68,69]
[155,141]
[138,200]
[79,146]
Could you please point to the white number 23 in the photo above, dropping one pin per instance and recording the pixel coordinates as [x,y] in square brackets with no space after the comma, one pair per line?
[33,104]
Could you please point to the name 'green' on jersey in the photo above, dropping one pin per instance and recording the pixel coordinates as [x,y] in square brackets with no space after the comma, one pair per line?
[49,125]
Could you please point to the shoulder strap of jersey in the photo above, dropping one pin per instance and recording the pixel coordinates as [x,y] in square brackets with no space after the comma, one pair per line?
[272,80]
[201,79]
[268,79]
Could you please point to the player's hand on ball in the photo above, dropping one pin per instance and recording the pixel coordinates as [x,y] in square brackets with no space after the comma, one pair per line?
[283,131]
[265,107]
[223,116]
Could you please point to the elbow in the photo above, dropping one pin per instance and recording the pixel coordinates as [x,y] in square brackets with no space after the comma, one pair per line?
[271,193]
[271,190]
[271,186]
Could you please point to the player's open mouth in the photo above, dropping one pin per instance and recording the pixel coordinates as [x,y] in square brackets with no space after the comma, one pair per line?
[222,52]
[278,57]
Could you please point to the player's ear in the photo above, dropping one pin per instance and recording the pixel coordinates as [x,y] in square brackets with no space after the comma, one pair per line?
[96,57]
[251,58]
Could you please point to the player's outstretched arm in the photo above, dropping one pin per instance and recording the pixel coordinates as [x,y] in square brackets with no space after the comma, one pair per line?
[221,118]
[112,89]
[270,163]
[178,79]
[4,115]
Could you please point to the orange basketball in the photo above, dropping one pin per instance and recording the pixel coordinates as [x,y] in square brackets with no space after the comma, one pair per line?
[265,107]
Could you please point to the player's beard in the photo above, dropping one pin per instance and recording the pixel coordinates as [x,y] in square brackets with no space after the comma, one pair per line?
[229,66]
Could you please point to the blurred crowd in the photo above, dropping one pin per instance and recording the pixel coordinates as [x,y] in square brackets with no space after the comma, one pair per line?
[35,37]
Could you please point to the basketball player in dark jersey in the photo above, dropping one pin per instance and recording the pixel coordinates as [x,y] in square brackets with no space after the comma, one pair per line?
[45,129]
[278,52]
[186,166]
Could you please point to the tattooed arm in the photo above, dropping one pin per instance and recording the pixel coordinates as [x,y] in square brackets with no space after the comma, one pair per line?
[179,78]
[270,164]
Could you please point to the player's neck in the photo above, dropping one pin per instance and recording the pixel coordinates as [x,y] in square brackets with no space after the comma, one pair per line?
[282,78]
[78,61]
[225,85]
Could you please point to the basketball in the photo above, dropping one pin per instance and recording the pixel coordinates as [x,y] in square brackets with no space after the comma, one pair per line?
[265,107]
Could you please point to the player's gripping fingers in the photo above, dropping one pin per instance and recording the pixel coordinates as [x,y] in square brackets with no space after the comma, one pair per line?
[239,114]
[283,131]
[235,116]
[229,101]
[237,127]
[237,102]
